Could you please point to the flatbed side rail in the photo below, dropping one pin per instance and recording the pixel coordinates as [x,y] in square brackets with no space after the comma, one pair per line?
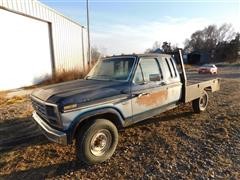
[195,91]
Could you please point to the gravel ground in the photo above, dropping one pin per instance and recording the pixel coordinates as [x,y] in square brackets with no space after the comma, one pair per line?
[175,145]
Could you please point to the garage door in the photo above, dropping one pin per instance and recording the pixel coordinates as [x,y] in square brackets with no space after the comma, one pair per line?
[25,55]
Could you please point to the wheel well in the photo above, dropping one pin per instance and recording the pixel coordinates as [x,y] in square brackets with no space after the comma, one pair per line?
[209,88]
[109,116]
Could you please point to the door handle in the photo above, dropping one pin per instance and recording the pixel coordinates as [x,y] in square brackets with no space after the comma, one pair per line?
[140,94]
[162,83]
[143,94]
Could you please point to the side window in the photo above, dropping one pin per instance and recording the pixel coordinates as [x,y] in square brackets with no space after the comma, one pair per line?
[169,67]
[150,69]
[165,68]
[174,67]
[138,77]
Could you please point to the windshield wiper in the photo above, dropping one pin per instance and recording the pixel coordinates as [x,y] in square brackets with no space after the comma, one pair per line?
[105,77]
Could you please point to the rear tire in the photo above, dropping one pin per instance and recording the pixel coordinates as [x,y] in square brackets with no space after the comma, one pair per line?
[199,105]
[96,141]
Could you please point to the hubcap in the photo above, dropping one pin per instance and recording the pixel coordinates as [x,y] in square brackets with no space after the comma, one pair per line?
[203,101]
[100,142]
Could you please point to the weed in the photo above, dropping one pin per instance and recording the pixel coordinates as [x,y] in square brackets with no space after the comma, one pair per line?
[63,76]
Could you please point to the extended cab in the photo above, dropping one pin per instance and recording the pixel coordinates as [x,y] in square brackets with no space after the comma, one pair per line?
[119,91]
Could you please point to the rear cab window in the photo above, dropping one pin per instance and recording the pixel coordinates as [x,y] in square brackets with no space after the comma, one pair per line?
[169,68]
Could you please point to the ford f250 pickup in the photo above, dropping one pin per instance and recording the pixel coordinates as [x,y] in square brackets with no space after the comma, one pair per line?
[119,91]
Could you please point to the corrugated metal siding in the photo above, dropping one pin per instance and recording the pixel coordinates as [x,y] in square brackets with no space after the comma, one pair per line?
[69,38]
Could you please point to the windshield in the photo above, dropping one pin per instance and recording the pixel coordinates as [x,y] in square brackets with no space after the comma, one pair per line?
[208,65]
[112,69]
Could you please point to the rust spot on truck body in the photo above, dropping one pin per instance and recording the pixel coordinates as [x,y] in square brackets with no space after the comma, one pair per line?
[153,99]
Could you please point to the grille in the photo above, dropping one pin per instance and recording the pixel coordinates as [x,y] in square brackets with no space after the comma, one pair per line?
[45,111]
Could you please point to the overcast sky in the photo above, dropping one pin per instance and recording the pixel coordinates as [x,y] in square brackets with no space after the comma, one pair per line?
[132,26]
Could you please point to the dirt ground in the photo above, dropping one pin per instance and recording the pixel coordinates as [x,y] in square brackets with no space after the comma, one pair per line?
[175,145]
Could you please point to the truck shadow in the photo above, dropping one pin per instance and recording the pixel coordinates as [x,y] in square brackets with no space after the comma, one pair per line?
[48,171]
[19,133]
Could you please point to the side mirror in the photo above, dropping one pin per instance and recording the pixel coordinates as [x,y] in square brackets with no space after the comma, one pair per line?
[154,77]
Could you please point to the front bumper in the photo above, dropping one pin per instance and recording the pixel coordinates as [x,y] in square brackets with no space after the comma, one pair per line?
[52,134]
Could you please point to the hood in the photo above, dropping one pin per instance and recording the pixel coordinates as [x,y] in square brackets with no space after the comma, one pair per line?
[79,91]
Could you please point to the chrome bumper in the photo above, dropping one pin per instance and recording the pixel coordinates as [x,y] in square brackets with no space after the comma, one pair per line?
[52,134]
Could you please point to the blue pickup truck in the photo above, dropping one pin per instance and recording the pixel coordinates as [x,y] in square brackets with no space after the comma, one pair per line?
[119,91]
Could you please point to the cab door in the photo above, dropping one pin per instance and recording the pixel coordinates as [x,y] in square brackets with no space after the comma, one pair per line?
[149,91]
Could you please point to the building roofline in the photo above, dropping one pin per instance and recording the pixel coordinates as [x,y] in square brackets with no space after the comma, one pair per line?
[58,13]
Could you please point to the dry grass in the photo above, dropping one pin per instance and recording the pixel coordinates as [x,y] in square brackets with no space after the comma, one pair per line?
[3,94]
[10,101]
[15,99]
[15,107]
[2,100]
[58,78]
[63,76]
[190,67]
[2,97]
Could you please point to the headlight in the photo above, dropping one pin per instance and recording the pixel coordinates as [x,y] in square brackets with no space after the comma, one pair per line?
[69,107]
[51,111]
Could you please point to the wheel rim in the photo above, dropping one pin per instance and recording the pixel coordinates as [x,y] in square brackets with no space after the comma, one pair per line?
[100,142]
[203,101]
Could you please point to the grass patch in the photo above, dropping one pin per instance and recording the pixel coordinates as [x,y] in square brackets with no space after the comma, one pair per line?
[15,99]
[3,94]
[58,78]
[61,76]
[3,97]
[226,64]
[2,100]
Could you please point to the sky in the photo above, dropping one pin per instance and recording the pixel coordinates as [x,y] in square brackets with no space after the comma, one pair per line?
[132,26]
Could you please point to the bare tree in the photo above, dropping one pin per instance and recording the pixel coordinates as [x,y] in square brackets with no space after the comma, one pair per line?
[95,54]
[226,33]
[213,40]
[228,51]
[164,47]
[156,45]
[208,38]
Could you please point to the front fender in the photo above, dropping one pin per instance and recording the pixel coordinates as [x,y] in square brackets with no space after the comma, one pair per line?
[84,116]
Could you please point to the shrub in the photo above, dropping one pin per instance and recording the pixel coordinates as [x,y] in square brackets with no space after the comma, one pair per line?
[63,76]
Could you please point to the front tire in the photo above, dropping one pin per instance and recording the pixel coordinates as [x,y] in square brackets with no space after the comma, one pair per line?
[97,141]
[199,105]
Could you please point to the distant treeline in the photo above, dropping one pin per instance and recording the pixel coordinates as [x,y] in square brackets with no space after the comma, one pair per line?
[220,44]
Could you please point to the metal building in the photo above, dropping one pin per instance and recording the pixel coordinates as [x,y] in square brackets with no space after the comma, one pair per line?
[37,41]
